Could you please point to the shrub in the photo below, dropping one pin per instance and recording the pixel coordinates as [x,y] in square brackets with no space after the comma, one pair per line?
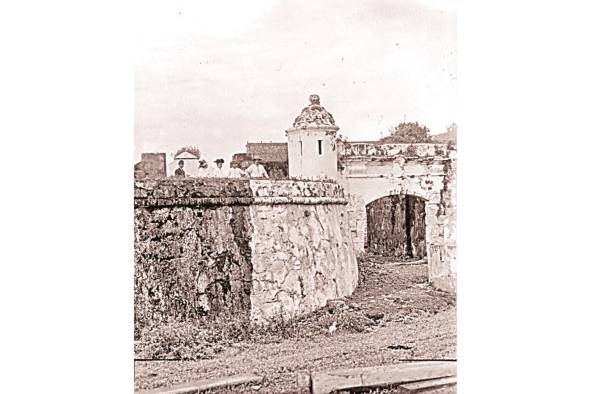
[177,341]
[191,340]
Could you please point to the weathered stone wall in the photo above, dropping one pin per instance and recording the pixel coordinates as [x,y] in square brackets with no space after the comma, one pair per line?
[270,248]
[192,253]
[302,251]
[442,270]
[357,221]
[152,165]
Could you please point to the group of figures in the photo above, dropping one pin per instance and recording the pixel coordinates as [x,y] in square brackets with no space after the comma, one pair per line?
[255,170]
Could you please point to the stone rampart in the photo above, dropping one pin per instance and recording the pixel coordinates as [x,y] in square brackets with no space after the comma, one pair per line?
[267,248]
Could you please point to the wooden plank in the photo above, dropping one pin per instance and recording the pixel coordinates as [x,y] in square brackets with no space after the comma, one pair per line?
[386,375]
[427,384]
[206,384]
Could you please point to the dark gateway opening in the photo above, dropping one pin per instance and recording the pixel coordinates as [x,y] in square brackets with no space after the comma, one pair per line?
[396,227]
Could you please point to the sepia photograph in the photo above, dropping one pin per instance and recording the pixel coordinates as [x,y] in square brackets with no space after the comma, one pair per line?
[295,200]
[306,197]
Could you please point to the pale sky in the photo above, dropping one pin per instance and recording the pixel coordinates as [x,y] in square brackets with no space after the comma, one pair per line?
[219,76]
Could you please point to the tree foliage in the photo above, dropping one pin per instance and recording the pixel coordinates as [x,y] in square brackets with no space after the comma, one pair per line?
[189,149]
[407,133]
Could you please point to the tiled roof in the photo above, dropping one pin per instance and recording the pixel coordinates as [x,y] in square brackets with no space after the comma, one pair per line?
[268,151]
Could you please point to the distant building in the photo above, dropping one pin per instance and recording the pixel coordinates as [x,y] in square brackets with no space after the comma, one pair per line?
[449,137]
[152,165]
[190,160]
[274,158]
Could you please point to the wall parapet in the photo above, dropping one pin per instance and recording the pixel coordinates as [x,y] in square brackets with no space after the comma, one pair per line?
[377,149]
[170,188]
[294,188]
[207,192]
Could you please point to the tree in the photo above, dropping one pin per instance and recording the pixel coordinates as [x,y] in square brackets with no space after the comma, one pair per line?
[407,133]
[189,149]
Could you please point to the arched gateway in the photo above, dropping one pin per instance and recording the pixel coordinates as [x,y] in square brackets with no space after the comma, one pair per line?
[398,192]
[377,176]
[396,227]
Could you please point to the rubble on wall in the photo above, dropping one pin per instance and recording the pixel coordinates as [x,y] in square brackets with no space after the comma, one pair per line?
[296,188]
[376,149]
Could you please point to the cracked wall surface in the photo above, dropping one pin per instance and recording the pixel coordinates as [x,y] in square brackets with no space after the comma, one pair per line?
[269,248]
[302,251]
[313,259]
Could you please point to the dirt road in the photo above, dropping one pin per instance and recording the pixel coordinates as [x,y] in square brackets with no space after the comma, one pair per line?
[394,315]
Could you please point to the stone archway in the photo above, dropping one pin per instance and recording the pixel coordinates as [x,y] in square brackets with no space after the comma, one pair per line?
[396,226]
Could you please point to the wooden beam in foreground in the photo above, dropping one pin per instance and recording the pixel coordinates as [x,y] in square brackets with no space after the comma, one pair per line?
[207,384]
[427,384]
[386,375]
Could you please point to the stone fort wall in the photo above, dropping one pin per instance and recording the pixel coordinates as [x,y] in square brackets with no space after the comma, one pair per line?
[267,248]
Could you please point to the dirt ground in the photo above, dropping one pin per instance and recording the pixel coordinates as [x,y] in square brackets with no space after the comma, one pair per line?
[393,316]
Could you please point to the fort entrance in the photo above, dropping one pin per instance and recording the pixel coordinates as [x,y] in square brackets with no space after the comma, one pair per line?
[396,227]
[402,203]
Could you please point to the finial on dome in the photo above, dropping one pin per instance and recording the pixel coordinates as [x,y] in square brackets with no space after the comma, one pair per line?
[314,115]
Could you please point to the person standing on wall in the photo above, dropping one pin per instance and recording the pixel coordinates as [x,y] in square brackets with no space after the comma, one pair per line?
[235,171]
[218,170]
[256,169]
[204,171]
[179,172]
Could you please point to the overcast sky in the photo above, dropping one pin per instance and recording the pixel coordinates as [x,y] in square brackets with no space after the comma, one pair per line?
[220,76]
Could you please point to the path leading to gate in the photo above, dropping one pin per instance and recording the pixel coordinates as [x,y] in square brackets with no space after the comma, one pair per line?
[393,316]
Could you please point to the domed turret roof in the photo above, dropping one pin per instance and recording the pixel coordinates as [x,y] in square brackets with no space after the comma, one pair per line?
[314,115]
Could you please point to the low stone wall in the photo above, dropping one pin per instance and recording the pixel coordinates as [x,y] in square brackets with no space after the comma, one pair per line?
[267,248]
[409,150]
